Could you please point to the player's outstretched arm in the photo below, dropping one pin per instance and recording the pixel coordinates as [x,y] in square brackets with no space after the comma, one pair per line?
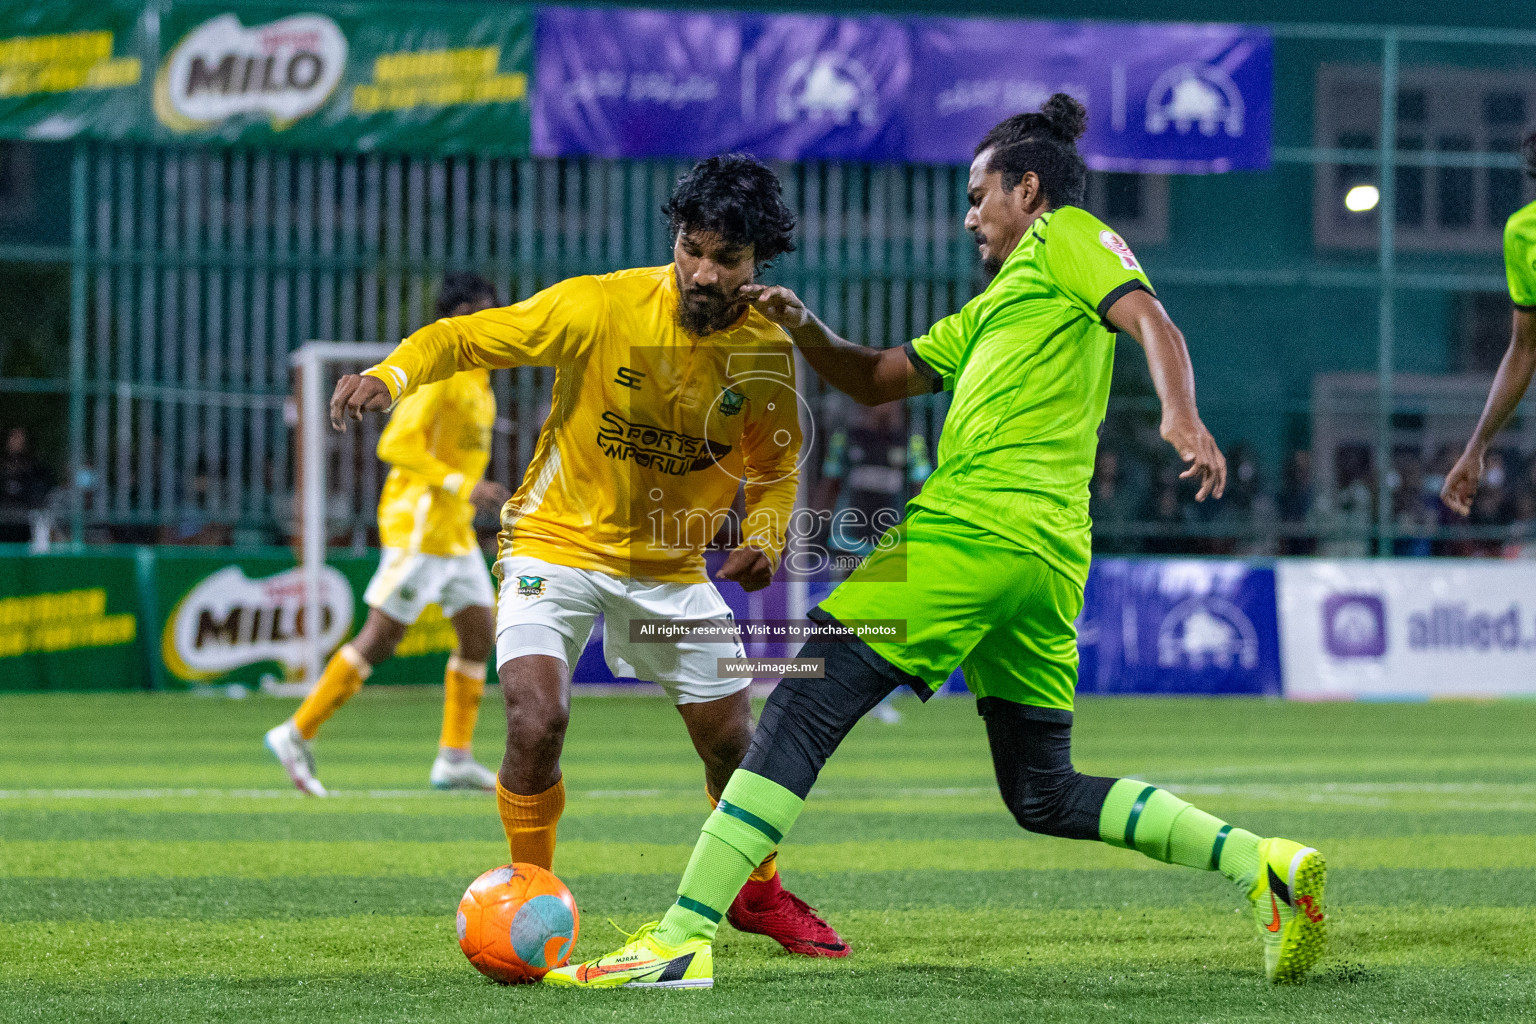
[549,328]
[1509,387]
[1143,318]
[870,376]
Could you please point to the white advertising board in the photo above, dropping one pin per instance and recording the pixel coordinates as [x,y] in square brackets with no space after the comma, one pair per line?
[1357,628]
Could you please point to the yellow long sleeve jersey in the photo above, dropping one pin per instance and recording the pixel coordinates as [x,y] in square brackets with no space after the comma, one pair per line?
[650,429]
[437,444]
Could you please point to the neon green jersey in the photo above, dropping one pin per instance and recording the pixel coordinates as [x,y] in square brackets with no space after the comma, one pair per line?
[1520,256]
[1029,361]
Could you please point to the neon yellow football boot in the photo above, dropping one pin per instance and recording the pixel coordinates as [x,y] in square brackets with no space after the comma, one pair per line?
[1287,900]
[642,962]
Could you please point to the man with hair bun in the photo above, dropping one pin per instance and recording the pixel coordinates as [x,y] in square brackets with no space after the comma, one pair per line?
[671,391]
[988,567]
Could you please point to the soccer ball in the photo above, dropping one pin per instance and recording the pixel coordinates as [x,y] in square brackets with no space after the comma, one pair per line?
[516,922]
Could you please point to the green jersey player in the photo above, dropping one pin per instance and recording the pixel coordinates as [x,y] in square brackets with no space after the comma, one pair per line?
[987,569]
[1514,374]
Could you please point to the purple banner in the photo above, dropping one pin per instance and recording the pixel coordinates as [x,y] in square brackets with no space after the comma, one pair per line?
[1171,99]
[1196,626]
[639,83]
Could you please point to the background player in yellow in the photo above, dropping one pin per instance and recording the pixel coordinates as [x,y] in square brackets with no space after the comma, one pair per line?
[1514,375]
[670,394]
[437,444]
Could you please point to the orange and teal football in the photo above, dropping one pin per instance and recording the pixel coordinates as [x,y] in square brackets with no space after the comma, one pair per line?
[516,922]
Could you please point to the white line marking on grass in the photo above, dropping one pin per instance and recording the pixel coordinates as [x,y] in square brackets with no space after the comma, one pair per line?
[1357,794]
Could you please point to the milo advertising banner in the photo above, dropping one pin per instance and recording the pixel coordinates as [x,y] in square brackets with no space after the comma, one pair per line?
[418,77]
[226,618]
[443,77]
[70,66]
[70,622]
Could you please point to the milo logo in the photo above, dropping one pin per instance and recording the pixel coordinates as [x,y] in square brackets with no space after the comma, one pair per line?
[285,69]
[230,620]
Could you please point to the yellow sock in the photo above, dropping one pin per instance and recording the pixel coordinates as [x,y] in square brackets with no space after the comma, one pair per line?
[530,822]
[344,675]
[770,865]
[463,684]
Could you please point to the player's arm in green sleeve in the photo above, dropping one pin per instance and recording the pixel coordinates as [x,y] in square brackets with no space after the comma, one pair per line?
[870,376]
[1140,315]
[1509,387]
[1096,271]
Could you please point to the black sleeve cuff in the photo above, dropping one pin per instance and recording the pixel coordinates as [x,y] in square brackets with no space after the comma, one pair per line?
[1523,308]
[1115,296]
[934,378]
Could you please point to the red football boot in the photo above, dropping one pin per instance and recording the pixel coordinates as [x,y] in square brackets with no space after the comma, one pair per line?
[767,908]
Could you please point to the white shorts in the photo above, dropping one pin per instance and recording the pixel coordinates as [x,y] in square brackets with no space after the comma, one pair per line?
[406,582]
[567,601]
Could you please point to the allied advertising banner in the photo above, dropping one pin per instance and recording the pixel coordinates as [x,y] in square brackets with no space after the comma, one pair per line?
[70,622]
[638,83]
[1408,629]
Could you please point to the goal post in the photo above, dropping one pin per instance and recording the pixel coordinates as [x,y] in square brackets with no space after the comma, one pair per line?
[317,366]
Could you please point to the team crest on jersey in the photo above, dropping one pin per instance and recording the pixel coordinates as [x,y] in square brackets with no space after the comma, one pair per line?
[1115,244]
[530,586]
[731,402]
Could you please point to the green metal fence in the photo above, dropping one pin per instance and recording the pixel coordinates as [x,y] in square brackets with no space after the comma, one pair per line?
[194,273]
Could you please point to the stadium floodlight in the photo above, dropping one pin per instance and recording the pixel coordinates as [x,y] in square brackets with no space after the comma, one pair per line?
[319,364]
[1362,198]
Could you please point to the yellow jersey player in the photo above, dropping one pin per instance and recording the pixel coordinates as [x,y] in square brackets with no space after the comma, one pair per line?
[670,393]
[1519,361]
[437,444]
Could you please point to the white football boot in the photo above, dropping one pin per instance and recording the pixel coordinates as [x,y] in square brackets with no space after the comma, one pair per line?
[292,751]
[454,769]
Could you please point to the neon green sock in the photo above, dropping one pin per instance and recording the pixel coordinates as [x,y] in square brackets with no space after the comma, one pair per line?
[1137,816]
[753,815]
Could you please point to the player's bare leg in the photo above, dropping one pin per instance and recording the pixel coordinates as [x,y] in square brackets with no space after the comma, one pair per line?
[379,637]
[530,793]
[721,731]
[344,675]
[463,685]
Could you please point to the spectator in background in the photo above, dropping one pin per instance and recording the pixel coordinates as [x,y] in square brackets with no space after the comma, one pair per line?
[875,461]
[24,486]
[1295,503]
[1415,510]
[1522,528]
[1167,514]
[1246,509]
[1112,502]
[1492,506]
[1345,518]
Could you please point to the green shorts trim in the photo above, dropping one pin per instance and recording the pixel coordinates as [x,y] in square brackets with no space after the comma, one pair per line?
[973,600]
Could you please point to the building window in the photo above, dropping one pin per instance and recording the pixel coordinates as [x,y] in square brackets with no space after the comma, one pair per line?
[1439,109]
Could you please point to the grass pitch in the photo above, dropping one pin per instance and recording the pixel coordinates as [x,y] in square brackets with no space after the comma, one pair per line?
[154,866]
